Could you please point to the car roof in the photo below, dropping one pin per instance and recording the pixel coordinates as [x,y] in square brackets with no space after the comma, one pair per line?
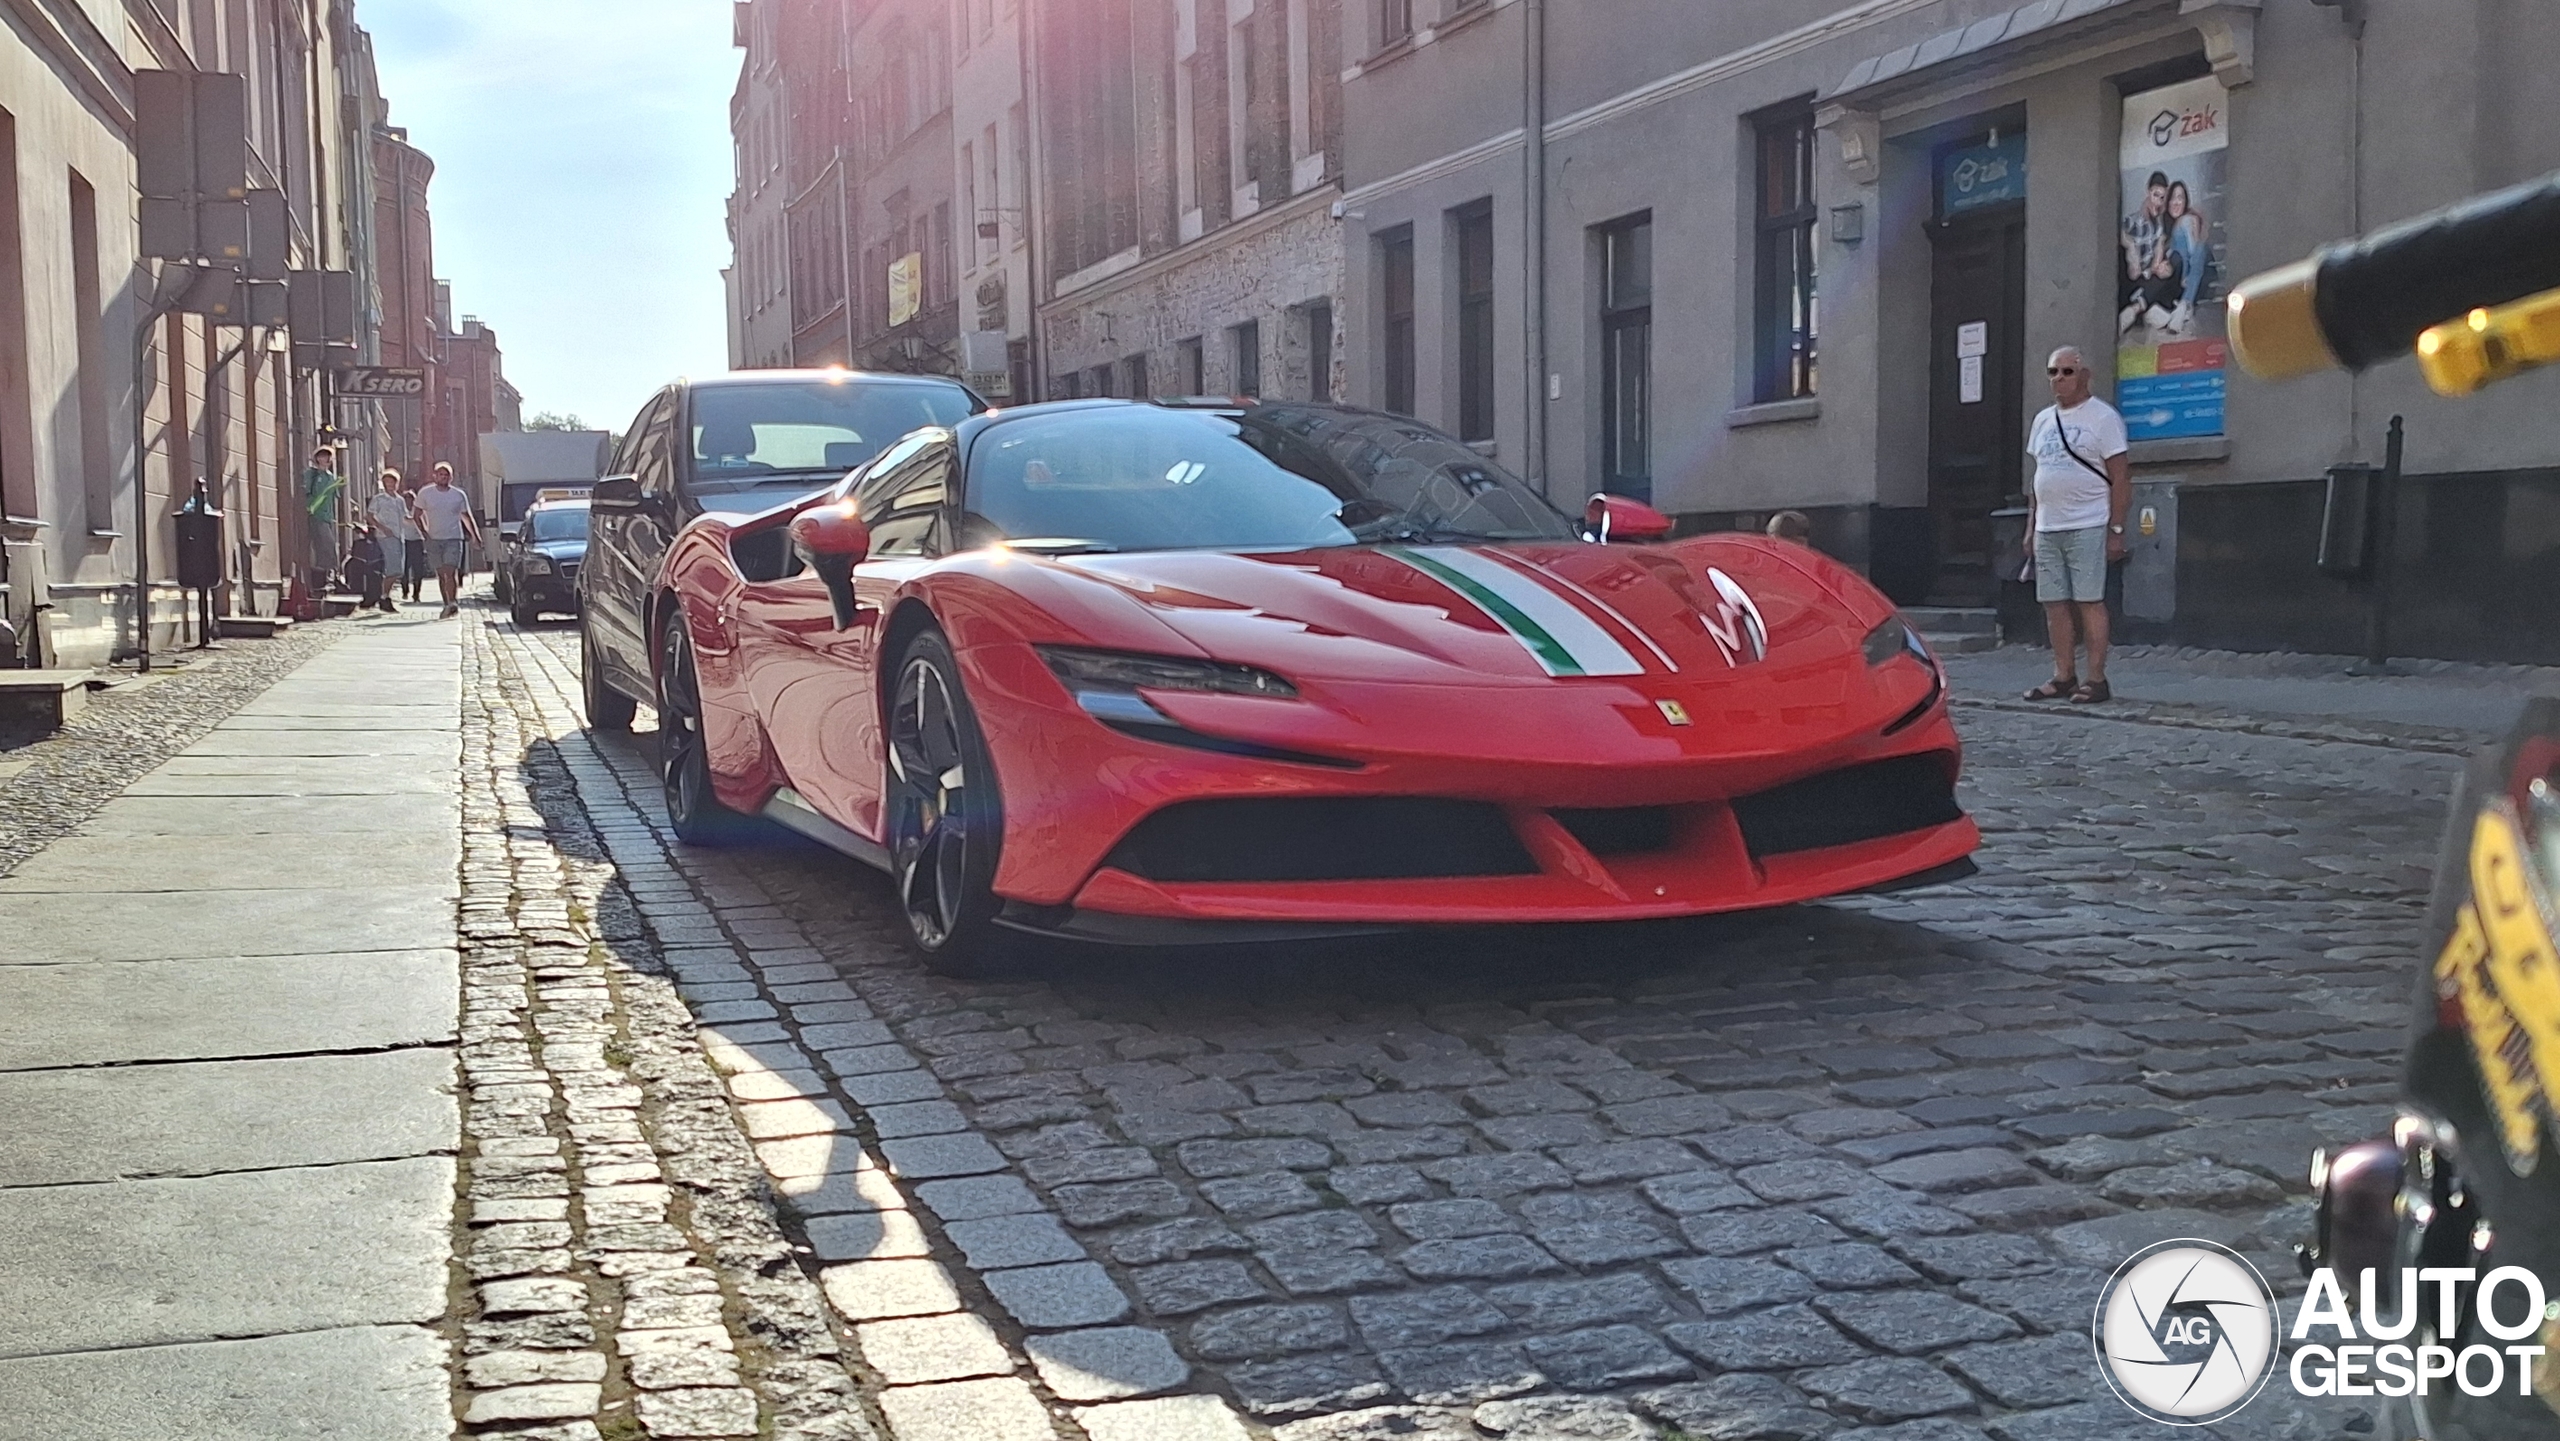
[750,378]
[564,503]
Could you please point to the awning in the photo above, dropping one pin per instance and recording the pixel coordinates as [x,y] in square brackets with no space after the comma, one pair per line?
[1850,109]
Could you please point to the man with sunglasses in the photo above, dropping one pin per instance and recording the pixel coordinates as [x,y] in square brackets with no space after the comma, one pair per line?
[2075,516]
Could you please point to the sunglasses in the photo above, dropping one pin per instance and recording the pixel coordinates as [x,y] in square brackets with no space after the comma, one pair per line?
[2062,370]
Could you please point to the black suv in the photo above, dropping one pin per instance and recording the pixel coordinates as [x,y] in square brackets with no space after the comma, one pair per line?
[742,442]
[538,569]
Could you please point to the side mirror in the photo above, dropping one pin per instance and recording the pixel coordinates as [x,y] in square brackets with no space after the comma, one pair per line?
[1616,517]
[831,538]
[617,495]
[507,529]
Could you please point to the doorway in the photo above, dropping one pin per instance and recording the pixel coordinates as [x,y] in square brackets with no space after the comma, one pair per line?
[1977,434]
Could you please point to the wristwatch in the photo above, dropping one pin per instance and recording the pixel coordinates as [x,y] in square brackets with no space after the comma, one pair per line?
[2115,530]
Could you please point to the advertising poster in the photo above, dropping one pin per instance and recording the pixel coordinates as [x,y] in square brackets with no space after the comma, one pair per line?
[906,287]
[2170,282]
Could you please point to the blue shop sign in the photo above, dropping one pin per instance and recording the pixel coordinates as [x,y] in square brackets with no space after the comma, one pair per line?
[1973,176]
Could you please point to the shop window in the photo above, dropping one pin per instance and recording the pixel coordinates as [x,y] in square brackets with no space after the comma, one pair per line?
[1626,356]
[1472,232]
[1395,328]
[1247,340]
[1784,317]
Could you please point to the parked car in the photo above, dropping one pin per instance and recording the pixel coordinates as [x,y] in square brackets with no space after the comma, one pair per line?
[1128,672]
[537,568]
[731,444]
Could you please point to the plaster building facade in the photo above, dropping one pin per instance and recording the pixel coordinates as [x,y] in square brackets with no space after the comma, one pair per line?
[759,276]
[1189,155]
[1761,259]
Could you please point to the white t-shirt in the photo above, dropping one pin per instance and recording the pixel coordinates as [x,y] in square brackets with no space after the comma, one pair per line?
[390,516]
[444,506]
[2069,495]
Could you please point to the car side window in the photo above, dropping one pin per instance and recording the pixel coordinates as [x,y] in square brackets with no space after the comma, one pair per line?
[901,497]
[651,459]
[626,451]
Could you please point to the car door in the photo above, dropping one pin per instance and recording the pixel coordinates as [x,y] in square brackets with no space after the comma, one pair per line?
[832,708]
[617,587]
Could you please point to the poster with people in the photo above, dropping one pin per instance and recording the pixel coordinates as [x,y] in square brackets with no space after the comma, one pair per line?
[2170,281]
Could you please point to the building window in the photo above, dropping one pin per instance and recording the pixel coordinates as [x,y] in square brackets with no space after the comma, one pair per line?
[1247,342]
[1319,315]
[1395,21]
[1784,320]
[89,339]
[1187,359]
[1395,329]
[1133,373]
[1626,356]
[1098,381]
[1473,233]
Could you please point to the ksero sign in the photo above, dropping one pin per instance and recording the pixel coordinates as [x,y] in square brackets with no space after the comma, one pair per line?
[382,382]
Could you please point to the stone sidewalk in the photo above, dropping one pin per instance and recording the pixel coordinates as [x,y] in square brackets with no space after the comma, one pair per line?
[2450,703]
[227,1011]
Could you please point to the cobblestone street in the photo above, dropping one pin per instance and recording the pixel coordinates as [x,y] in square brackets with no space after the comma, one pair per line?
[731,1164]
[1785,1175]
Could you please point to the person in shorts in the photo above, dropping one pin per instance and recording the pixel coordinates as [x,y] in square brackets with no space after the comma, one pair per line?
[2075,518]
[395,529]
[444,514]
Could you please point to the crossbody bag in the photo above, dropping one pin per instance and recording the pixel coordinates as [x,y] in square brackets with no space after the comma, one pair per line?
[2062,433]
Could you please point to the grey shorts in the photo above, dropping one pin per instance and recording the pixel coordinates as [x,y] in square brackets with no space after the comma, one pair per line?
[444,553]
[2071,564]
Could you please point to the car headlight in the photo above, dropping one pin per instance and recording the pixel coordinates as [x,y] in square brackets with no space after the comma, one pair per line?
[1111,671]
[538,564]
[1892,638]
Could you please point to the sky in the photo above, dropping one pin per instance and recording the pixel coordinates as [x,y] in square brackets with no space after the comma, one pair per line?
[582,171]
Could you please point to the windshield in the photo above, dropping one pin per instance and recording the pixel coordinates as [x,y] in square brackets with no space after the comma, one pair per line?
[750,436]
[1139,477]
[559,524]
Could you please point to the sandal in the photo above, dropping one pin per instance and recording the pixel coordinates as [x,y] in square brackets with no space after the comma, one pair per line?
[2091,693]
[2057,688]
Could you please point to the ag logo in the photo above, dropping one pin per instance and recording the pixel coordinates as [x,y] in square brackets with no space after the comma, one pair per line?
[2164,127]
[2185,1332]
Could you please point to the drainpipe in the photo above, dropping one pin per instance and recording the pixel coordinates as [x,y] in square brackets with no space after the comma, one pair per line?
[1534,250]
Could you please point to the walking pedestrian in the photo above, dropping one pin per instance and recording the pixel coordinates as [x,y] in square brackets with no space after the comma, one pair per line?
[395,529]
[2075,511]
[322,487]
[444,514]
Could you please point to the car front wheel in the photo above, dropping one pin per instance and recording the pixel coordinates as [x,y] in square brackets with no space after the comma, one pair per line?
[946,821]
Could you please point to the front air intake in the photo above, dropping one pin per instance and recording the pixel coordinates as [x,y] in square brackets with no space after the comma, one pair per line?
[1325,838]
[1856,803]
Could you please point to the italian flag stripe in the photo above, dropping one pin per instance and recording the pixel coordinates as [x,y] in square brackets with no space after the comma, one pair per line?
[1560,638]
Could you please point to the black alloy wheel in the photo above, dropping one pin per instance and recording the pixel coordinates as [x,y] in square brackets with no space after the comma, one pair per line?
[607,709]
[946,822]
[684,757]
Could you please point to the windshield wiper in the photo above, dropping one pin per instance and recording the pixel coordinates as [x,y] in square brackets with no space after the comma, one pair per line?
[1406,530]
[1060,545]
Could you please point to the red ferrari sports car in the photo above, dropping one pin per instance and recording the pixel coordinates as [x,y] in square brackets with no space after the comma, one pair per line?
[1137,672]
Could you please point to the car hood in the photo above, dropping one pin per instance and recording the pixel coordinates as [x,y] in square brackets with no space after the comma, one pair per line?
[1467,615]
[560,549]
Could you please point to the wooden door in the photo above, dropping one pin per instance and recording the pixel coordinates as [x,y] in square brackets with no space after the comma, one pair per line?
[1977,434]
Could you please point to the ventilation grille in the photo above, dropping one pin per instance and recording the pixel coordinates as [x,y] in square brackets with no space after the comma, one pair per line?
[1858,803]
[1347,838]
